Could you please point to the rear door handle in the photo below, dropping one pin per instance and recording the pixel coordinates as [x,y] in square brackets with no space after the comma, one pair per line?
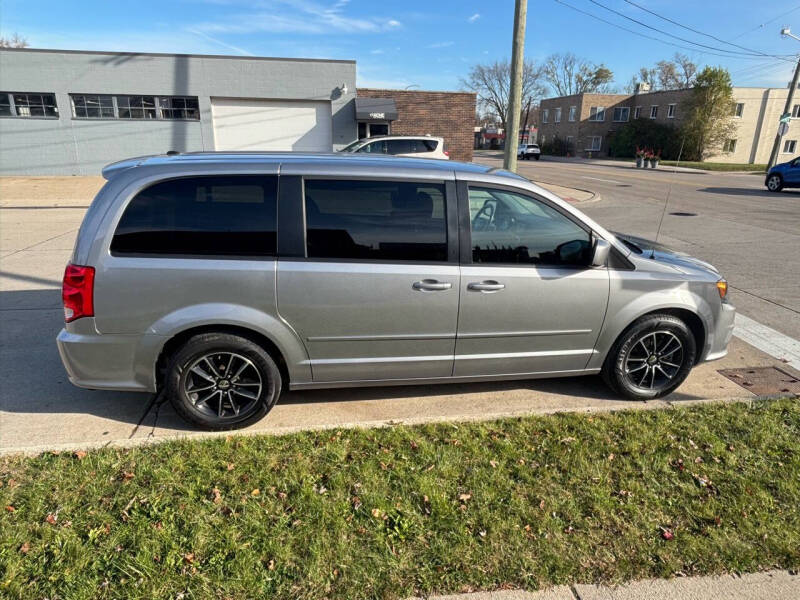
[486,286]
[431,285]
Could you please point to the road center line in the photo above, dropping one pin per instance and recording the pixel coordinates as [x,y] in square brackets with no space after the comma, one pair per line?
[599,179]
[768,340]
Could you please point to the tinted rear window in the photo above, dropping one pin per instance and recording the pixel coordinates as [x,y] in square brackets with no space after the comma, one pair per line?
[224,216]
[380,220]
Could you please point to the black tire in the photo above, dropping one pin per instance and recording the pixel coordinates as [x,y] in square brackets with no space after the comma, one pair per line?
[774,182]
[648,346]
[536,156]
[243,398]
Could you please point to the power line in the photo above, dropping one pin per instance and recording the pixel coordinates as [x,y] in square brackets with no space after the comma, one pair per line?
[766,22]
[650,37]
[730,53]
[713,37]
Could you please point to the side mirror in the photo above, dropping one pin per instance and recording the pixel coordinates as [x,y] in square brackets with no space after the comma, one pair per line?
[600,253]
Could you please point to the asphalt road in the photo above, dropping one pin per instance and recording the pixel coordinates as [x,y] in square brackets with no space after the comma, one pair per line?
[752,236]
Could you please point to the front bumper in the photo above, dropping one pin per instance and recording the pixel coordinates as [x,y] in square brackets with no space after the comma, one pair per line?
[721,336]
[109,362]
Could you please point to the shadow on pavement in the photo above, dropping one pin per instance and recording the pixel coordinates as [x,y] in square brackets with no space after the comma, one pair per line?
[731,191]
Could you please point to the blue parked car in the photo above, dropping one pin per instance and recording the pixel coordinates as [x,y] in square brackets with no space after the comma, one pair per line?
[783,175]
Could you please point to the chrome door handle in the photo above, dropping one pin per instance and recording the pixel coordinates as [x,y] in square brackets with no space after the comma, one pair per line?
[486,286]
[431,285]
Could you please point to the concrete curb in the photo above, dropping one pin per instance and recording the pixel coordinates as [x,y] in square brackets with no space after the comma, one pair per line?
[595,196]
[767,585]
[134,442]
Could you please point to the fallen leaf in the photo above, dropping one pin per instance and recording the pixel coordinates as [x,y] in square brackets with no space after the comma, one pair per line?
[482,533]
[698,460]
[414,445]
[464,497]
[127,476]
[493,463]
[79,454]
[271,564]
[51,518]
[216,496]
[527,527]
[255,492]
[189,557]
[282,495]
[611,456]
[666,534]
[10,508]
[25,548]
[231,466]
[567,440]
[377,513]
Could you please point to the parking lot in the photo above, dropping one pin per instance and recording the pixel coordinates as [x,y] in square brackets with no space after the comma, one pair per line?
[40,409]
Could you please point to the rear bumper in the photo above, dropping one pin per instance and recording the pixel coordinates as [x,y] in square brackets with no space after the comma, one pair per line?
[721,336]
[109,362]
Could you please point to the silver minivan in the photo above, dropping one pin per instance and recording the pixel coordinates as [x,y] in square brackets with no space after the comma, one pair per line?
[219,279]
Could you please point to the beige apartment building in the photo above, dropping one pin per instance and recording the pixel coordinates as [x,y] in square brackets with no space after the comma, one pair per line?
[586,121]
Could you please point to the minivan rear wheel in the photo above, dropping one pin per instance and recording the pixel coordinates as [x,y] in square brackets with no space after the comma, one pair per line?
[222,381]
[651,358]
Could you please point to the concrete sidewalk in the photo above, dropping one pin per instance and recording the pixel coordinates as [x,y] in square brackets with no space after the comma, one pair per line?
[604,162]
[770,585]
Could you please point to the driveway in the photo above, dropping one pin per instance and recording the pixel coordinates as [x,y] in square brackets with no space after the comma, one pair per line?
[40,409]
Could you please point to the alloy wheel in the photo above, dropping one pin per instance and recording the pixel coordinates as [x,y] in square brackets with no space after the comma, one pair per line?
[773,183]
[223,385]
[654,360]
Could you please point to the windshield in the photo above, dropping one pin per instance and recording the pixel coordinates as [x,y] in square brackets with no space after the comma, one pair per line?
[352,147]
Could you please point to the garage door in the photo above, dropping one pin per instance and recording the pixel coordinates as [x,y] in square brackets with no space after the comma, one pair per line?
[247,124]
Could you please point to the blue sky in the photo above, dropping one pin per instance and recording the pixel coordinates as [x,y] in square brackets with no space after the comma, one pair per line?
[426,43]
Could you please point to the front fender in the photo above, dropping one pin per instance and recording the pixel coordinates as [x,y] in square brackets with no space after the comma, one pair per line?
[629,301]
[273,328]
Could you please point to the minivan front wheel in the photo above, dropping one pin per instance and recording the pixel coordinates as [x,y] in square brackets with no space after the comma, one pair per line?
[222,381]
[651,358]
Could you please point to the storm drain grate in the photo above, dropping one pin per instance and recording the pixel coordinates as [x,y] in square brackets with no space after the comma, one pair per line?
[764,381]
[683,214]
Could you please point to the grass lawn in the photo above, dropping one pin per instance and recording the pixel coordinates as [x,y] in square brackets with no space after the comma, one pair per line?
[712,166]
[389,513]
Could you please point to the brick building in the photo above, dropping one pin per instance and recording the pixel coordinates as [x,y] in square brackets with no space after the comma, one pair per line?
[586,121]
[444,114]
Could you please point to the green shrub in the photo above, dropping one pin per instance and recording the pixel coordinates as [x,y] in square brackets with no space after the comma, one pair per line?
[645,133]
[558,146]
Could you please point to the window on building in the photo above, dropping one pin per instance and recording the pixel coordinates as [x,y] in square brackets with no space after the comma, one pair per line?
[738,110]
[375,220]
[796,111]
[22,104]
[104,106]
[789,146]
[595,142]
[179,107]
[92,107]
[621,114]
[557,115]
[219,215]
[653,111]
[136,107]
[637,112]
[597,113]
[670,111]
[541,235]
[729,146]
[545,115]
[573,111]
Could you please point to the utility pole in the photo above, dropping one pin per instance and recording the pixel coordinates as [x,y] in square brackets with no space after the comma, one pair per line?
[515,95]
[776,146]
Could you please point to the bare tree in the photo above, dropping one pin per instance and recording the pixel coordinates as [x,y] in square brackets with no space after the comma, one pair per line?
[686,68]
[492,84]
[668,78]
[15,41]
[567,74]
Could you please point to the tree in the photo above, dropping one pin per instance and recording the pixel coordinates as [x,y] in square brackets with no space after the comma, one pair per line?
[14,41]
[674,74]
[567,74]
[709,122]
[492,83]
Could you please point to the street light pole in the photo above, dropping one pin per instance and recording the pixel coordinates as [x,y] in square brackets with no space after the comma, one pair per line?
[515,95]
[776,146]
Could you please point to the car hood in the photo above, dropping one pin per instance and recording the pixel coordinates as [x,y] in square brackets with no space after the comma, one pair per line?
[649,249]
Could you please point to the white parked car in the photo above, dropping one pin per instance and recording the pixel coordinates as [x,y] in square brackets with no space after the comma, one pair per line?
[528,151]
[422,146]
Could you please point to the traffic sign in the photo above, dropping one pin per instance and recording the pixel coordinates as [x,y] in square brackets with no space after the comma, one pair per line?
[783,129]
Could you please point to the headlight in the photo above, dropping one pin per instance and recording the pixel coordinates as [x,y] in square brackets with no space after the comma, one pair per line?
[722,288]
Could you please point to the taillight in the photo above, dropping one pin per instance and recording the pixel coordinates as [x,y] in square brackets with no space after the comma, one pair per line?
[77,292]
[447,152]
